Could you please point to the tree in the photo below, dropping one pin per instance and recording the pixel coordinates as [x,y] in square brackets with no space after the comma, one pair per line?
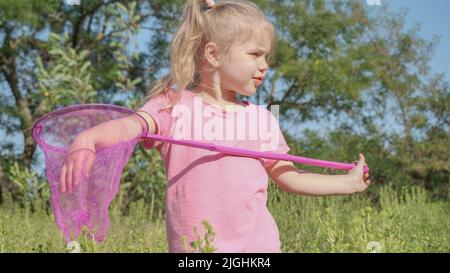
[334,59]
[53,54]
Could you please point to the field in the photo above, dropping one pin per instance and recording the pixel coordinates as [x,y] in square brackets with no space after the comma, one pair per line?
[403,221]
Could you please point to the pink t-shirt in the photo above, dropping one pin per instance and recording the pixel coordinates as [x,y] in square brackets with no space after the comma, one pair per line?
[228,191]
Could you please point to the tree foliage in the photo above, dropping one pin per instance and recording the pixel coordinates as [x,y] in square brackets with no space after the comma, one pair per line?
[335,60]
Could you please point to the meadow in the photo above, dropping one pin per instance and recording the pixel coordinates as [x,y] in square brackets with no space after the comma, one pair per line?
[387,220]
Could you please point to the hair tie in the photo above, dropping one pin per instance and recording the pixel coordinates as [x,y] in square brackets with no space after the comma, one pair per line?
[210,3]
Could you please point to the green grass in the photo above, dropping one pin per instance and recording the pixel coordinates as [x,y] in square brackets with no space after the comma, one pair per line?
[398,222]
[21,231]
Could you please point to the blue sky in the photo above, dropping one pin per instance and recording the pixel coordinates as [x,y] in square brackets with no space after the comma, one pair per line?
[434,18]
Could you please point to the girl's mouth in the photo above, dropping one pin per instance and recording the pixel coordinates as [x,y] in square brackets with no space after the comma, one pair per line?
[257,81]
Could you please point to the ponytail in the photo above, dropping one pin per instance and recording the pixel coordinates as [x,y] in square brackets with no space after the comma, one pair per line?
[184,49]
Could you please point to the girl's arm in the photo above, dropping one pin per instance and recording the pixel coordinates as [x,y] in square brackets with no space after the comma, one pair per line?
[115,131]
[288,178]
[95,138]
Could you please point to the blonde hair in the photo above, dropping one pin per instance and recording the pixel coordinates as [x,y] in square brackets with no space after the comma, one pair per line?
[225,24]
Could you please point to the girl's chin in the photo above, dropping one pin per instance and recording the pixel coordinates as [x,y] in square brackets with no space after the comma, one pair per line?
[248,94]
[247,90]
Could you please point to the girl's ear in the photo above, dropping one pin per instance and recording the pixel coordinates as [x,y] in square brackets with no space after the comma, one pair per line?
[212,54]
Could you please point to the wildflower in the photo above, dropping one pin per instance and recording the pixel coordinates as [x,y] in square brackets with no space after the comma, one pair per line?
[73,247]
[374,247]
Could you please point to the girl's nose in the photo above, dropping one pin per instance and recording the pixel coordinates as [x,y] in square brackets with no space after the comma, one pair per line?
[263,65]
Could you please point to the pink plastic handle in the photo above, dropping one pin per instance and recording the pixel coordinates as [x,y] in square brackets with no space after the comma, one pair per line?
[256,154]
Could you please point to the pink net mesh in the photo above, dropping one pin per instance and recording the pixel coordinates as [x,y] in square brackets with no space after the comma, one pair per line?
[59,136]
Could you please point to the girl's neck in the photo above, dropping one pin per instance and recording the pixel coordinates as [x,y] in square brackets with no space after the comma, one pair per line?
[217,96]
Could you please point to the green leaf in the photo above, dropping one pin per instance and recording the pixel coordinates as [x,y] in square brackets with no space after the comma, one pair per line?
[56,51]
[122,7]
[132,6]
[85,67]
[136,81]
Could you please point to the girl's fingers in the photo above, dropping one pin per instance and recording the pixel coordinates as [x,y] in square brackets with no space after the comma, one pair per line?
[76,171]
[89,163]
[361,158]
[74,168]
[62,178]
[69,177]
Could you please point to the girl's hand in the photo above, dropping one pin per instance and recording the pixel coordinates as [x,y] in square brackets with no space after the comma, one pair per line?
[79,161]
[357,179]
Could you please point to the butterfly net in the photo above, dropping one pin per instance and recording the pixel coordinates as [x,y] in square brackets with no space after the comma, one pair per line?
[85,207]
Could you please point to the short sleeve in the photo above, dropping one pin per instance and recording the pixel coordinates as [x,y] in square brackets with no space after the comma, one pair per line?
[156,108]
[277,143]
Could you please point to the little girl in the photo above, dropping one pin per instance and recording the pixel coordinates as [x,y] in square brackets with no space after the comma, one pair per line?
[220,50]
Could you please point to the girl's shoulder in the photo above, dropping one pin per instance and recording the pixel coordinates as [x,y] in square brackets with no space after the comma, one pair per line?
[271,111]
[164,99]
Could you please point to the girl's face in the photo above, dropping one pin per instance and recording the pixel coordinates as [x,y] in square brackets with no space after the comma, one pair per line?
[245,63]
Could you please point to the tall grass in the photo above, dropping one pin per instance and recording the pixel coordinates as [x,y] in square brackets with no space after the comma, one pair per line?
[404,221]
[23,231]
